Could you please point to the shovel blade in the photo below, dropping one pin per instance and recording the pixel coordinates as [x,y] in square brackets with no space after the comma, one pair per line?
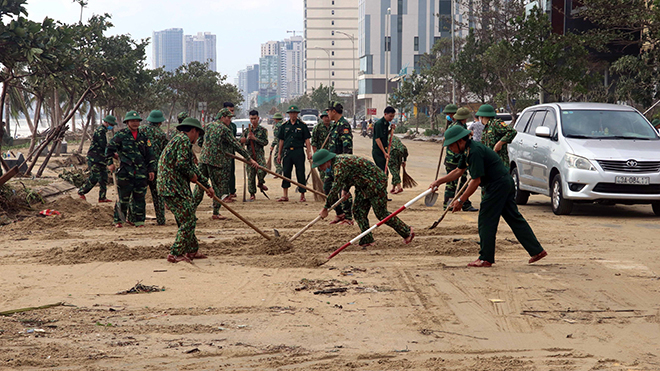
[277,233]
[430,199]
[435,224]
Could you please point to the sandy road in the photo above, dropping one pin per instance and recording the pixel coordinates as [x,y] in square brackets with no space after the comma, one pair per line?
[594,303]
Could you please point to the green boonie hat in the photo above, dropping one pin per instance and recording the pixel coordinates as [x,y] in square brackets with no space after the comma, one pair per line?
[655,122]
[321,157]
[156,116]
[462,114]
[225,112]
[192,122]
[454,134]
[486,110]
[293,108]
[110,119]
[132,115]
[324,113]
[278,116]
[182,115]
[450,108]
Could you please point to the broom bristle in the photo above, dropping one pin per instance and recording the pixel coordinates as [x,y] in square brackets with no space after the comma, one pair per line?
[318,185]
[408,181]
[269,164]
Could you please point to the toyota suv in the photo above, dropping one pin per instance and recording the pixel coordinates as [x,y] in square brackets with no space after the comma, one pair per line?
[586,152]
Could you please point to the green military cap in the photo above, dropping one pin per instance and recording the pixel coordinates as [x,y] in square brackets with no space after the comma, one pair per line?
[454,134]
[225,112]
[486,110]
[321,157]
[656,123]
[278,116]
[132,115]
[156,116]
[462,114]
[324,113]
[110,119]
[335,104]
[182,115]
[192,122]
[293,108]
[450,108]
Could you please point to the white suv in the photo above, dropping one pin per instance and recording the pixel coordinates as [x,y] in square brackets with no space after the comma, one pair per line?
[586,152]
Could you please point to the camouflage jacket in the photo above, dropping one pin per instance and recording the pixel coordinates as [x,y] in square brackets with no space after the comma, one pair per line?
[454,158]
[135,155]
[399,149]
[218,140]
[96,152]
[319,133]
[497,130]
[176,168]
[353,171]
[157,138]
[341,138]
[276,131]
[262,140]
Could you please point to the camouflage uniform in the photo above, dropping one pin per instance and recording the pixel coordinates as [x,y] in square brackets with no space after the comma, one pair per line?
[175,170]
[319,134]
[382,132]
[136,162]
[497,130]
[158,142]
[276,145]
[398,155]
[370,191]
[98,170]
[451,162]
[232,171]
[340,142]
[213,164]
[256,149]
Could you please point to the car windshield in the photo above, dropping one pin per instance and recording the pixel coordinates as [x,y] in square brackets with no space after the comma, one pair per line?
[592,124]
[309,118]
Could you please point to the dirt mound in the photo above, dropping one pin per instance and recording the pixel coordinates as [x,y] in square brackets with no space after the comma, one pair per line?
[76,214]
[103,252]
[456,247]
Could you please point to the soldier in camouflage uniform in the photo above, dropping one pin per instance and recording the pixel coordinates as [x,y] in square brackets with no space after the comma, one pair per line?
[278,118]
[453,159]
[158,142]
[320,138]
[213,164]
[98,171]
[255,139]
[182,116]
[340,142]
[232,171]
[294,136]
[381,138]
[137,168]
[496,134]
[398,158]
[176,170]
[370,191]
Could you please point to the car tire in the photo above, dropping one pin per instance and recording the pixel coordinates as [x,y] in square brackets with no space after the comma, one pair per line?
[560,205]
[656,208]
[521,196]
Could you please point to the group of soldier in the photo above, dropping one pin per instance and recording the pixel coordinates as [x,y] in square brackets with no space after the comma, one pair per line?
[148,159]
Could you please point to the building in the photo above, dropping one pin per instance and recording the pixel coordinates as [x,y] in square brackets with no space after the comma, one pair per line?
[409,30]
[248,83]
[200,48]
[167,49]
[331,34]
[291,65]
[269,75]
[270,48]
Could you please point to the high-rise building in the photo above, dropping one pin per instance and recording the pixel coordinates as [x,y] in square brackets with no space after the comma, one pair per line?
[331,34]
[270,48]
[291,82]
[269,75]
[248,83]
[201,48]
[168,49]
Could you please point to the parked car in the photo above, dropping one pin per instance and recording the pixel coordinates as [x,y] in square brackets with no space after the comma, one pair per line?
[310,121]
[239,126]
[586,152]
[506,117]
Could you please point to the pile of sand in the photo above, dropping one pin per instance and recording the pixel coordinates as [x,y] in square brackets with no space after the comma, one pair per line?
[75,214]
[87,252]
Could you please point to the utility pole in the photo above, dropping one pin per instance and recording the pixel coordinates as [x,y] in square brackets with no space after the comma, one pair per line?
[388,48]
[453,51]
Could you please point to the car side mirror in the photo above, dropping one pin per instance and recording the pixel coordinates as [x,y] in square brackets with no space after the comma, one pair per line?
[543,132]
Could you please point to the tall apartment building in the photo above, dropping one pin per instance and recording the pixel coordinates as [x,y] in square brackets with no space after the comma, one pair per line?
[269,75]
[167,49]
[248,83]
[410,30]
[331,34]
[201,48]
[291,81]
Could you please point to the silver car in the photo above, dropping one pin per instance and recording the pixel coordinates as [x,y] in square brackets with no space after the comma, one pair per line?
[586,152]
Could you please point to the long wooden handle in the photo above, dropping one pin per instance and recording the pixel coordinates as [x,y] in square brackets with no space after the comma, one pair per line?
[341,199]
[278,175]
[457,195]
[389,150]
[216,198]
[442,151]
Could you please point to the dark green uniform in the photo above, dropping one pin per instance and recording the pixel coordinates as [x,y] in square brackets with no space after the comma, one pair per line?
[340,142]
[497,130]
[257,154]
[158,141]
[276,144]
[293,153]
[451,162]
[175,170]
[137,160]
[398,155]
[498,200]
[382,132]
[370,192]
[98,170]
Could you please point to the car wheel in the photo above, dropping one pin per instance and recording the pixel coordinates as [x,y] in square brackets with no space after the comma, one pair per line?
[521,196]
[560,205]
[656,208]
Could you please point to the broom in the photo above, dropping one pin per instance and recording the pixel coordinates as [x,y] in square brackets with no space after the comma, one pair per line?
[317,184]
[408,181]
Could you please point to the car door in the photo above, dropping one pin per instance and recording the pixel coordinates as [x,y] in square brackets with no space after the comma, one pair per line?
[531,141]
[542,152]
[524,143]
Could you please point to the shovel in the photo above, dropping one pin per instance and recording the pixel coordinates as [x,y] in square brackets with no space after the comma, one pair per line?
[122,217]
[458,194]
[430,199]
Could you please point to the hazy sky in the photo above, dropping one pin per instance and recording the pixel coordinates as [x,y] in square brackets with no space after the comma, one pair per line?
[240,25]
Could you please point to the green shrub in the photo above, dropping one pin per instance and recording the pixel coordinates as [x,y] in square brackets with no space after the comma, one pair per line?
[431,132]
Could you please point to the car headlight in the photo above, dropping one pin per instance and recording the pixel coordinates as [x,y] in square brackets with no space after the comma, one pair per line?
[577,162]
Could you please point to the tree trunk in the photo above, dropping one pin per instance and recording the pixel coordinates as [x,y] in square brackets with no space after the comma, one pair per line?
[55,145]
[84,130]
[35,130]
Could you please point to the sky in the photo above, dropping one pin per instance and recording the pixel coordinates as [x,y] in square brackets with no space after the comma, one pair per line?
[241,26]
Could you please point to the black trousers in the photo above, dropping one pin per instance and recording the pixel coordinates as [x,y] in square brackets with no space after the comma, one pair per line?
[294,157]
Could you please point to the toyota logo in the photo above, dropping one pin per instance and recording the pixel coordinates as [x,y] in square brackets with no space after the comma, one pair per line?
[631,163]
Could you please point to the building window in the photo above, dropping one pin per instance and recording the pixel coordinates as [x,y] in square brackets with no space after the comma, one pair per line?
[333,33]
[333,73]
[333,12]
[333,63]
[333,42]
[333,22]
[444,24]
[333,83]
[332,53]
[333,2]
[416,44]
[388,44]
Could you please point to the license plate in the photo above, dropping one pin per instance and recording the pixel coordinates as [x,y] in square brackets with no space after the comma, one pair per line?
[632,180]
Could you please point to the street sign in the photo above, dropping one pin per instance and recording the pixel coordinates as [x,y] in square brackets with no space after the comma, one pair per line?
[201,106]
[372,111]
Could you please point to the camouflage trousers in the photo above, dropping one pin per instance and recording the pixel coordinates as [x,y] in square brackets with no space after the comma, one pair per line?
[159,203]
[344,207]
[253,174]
[131,199]
[394,166]
[219,178]
[98,173]
[451,187]
[184,213]
[278,167]
[231,183]
[361,207]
